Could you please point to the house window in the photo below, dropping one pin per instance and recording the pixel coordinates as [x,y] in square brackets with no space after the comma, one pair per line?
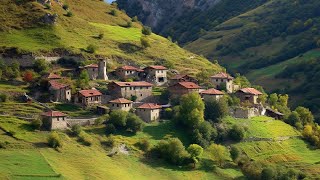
[216,80]
[117,105]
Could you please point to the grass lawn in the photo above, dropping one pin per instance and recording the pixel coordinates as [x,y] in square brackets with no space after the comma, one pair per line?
[74,110]
[21,109]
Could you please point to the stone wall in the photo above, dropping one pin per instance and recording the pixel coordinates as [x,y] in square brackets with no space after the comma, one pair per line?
[245,113]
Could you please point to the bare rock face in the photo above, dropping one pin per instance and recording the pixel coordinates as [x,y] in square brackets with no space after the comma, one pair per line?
[156,13]
[49,19]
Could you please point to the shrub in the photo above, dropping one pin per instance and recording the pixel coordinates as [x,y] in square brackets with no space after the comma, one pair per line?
[3,98]
[234,153]
[91,49]
[110,142]
[146,30]
[40,66]
[168,113]
[203,134]
[144,145]
[145,42]
[36,123]
[113,12]
[76,129]
[102,119]
[268,173]
[195,152]
[118,118]
[236,133]
[47,6]
[110,129]
[129,24]
[65,6]
[54,140]
[134,98]
[134,123]
[69,14]
[218,153]
[85,139]
[216,110]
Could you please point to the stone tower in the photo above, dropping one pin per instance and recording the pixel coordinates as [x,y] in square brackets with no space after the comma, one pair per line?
[102,73]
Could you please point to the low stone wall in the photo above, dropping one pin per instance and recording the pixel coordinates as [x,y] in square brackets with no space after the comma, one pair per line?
[245,113]
[82,122]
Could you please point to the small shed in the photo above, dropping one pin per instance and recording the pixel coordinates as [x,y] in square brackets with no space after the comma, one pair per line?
[53,120]
[274,114]
[149,112]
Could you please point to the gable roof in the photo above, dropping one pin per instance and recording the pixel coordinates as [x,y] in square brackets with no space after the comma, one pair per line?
[222,75]
[57,85]
[133,84]
[212,92]
[90,93]
[156,67]
[188,85]
[130,68]
[91,66]
[52,76]
[149,106]
[53,114]
[121,101]
[251,91]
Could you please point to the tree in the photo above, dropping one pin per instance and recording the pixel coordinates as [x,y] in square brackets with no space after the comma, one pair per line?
[54,140]
[28,76]
[91,49]
[118,118]
[195,152]
[134,123]
[273,99]
[145,42]
[216,110]
[234,153]
[83,80]
[293,118]
[305,114]
[146,30]
[268,173]
[40,66]
[236,133]
[76,129]
[218,153]
[191,110]
[110,129]
[204,134]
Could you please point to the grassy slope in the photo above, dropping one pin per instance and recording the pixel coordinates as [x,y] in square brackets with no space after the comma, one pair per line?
[92,18]
[28,157]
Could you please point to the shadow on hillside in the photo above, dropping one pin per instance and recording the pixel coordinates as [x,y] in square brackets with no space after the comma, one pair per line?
[129,48]
[40,145]
[160,163]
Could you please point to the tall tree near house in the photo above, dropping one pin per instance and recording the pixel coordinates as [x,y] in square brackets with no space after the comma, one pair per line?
[83,80]
[216,110]
[191,110]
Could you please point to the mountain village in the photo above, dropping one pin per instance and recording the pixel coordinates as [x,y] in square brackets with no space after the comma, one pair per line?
[134,93]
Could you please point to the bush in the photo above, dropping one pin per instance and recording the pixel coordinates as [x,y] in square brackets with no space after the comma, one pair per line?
[134,123]
[76,129]
[216,110]
[65,6]
[54,140]
[129,24]
[40,66]
[118,118]
[91,49]
[110,129]
[3,98]
[234,153]
[168,113]
[146,30]
[85,139]
[110,142]
[113,12]
[102,119]
[47,6]
[236,133]
[145,42]
[69,14]
[204,134]
[144,145]
[36,123]
[267,173]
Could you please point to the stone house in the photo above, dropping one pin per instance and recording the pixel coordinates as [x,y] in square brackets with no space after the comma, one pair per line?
[156,75]
[141,90]
[244,112]
[223,81]
[211,94]
[89,97]
[53,120]
[59,92]
[120,104]
[182,88]
[181,78]
[97,71]
[249,95]
[126,72]
[149,112]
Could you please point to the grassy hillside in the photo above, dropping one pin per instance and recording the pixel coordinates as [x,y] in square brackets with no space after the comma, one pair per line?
[91,18]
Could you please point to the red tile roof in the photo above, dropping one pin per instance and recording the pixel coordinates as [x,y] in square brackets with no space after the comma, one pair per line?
[189,85]
[252,91]
[179,76]
[212,92]
[91,66]
[57,85]
[222,75]
[121,101]
[53,114]
[156,67]
[53,76]
[130,68]
[134,84]
[90,93]
[149,106]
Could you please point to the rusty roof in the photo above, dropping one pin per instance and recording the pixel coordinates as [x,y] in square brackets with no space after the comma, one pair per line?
[156,67]
[130,68]
[121,101]
[149,106]
[212,92]
[57,85]
[189,85]
[90,93]
[53,114]
[252,91]
[222,75]
[134,84]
